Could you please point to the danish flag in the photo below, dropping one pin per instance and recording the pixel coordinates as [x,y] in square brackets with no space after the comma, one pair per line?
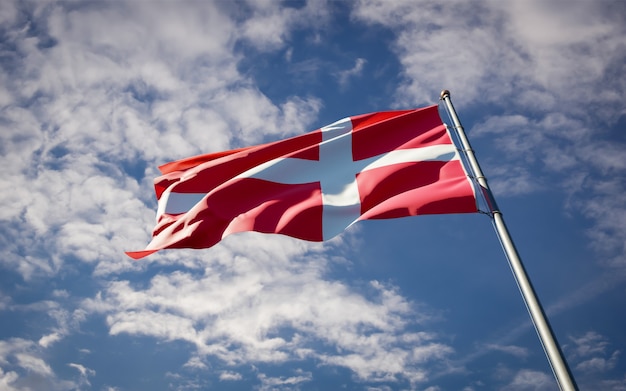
[313,186]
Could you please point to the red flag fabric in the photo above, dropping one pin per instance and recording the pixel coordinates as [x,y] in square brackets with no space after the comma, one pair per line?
[313,186]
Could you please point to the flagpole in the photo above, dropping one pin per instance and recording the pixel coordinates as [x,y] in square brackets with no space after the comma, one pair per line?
[551,348]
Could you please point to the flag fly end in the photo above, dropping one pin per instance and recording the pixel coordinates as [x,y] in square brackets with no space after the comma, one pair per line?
[139,254]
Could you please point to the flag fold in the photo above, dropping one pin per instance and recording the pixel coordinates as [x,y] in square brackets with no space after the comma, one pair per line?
[313,186]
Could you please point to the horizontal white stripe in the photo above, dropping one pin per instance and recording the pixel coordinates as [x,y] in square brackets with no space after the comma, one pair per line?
[294,171]
[442,152]
[298,171]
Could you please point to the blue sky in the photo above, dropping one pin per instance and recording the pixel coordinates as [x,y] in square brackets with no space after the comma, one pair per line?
[95,95]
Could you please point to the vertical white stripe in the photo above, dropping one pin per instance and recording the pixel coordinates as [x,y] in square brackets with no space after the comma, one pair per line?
[340,193]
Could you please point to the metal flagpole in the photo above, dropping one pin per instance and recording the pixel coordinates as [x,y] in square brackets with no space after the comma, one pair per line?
[559,366]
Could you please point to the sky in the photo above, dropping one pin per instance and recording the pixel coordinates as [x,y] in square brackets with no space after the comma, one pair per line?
[95,95]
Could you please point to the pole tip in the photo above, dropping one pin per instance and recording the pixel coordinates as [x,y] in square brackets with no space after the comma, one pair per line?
[444,94]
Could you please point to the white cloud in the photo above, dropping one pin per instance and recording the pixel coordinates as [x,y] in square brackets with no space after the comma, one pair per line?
[5,301]
[49,339]
[488,50]
[527,379]
[195,362]
[614,385]
[84,373]
[593,353]
[24,368]
[126,86]
[345,76]
[439,47]
[513,350]
[7,379]
[60,293]
[267,308]
[230,376]
[270,29]
[271,23]
[599,364]
[569,46]
[82,369]
[273,383]
[606,210]
[163,326]
[590,343]
[587,169]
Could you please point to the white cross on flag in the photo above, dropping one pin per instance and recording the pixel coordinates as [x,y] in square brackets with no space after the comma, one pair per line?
[313,186]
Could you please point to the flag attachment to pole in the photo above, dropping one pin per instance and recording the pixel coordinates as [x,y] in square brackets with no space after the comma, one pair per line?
[559,366]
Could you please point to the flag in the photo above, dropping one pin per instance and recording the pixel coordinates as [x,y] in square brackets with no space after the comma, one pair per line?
[313,186]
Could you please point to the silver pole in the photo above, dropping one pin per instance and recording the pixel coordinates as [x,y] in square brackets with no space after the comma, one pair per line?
[559,366]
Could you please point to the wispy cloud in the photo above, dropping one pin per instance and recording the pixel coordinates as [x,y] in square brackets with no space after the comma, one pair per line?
[554,78]
[270,24]
[24,367]
[230,376]
[268,311]
[513,350]
[345,76]
[272,383]
[530,380]
[75,134]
